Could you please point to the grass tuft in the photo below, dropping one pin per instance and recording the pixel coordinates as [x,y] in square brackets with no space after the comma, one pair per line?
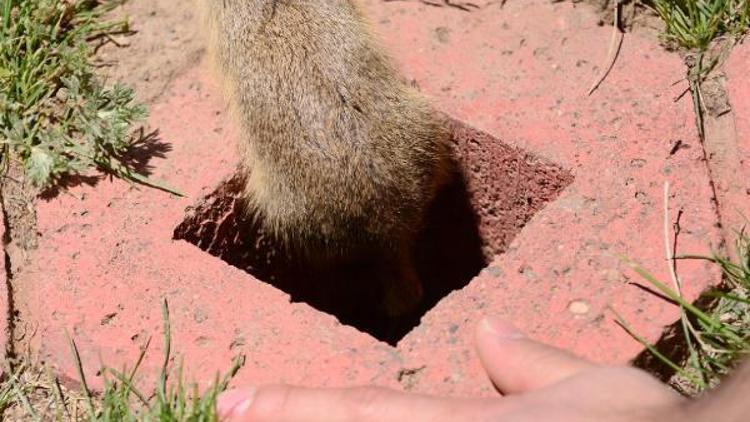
[694,24]
[716,339]
[698,25]
[120,400]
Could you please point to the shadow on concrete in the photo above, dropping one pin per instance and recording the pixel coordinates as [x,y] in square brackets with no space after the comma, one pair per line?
[144,147]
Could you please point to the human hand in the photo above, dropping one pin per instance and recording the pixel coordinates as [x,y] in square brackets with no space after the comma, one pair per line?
[538,383]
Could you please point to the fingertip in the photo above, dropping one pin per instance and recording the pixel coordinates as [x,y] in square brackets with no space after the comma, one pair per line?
[516,363]
[233,405]
[499,328]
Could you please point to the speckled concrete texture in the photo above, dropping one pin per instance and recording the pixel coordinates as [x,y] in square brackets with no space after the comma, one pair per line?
[738,90]
[525,80]
[5,309]
[738,87]
[519,73]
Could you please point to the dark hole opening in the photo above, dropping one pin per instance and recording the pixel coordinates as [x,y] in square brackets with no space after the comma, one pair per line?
[498,190]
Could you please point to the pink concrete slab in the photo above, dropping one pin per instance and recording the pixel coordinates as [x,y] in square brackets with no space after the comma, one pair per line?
[5,311]
[521,73]
[518,72]
[738,87]
[107,258]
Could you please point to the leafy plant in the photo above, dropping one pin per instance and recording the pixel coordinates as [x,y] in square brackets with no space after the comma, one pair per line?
[57,118]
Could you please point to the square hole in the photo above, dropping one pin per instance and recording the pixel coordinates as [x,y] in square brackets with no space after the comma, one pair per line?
[475,218]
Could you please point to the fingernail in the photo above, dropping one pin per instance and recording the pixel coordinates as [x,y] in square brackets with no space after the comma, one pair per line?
[501,328]
[234,403]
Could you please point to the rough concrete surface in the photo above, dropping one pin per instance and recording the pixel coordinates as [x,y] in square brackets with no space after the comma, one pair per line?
[519,73]
[738,87]
[5,311]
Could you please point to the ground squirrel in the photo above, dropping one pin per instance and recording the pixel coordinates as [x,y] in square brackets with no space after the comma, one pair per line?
[341,157]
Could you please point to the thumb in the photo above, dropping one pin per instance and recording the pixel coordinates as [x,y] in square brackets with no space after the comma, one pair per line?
[517,364]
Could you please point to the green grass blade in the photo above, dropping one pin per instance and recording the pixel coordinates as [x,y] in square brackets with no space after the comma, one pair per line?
[82,375]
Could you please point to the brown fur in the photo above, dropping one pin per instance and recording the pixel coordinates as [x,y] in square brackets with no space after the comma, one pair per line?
[341,157]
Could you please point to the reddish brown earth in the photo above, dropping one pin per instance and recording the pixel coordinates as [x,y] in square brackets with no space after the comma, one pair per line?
[560,184]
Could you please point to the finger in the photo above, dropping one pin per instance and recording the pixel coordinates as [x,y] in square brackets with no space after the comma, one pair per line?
[366,404]
[233,404]
[517,364]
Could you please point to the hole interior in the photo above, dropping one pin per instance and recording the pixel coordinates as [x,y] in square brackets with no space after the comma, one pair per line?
[498,189]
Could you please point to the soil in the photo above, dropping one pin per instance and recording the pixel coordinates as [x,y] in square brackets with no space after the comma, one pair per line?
[18,207]
[49,398]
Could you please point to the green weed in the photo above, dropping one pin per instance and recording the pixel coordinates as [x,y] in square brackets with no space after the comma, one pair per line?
[694,24]
[171,400]
[57,118]
[716,339]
